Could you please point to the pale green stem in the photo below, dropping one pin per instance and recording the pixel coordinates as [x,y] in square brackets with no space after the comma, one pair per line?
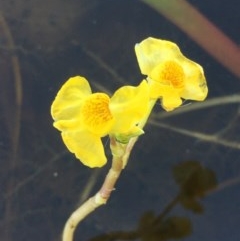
[200,29]
[121,153]
[94,202]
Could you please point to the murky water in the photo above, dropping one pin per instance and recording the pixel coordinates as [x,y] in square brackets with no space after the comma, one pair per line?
[42,44]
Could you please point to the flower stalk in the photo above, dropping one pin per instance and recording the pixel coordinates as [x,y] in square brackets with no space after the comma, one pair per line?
[102,196]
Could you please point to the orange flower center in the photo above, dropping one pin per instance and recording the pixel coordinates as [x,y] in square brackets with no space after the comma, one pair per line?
[96,114]
[170,73]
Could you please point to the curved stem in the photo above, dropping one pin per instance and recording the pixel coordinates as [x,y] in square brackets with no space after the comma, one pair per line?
[100,198]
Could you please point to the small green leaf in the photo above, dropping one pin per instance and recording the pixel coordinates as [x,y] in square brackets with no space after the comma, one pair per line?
[175,228]
[124,138]
[191,204]
[146,220]
[184,170]
[194,179]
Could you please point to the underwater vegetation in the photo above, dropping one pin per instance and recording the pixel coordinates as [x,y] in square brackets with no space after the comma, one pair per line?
[84,117]
[80,56]
[194,182]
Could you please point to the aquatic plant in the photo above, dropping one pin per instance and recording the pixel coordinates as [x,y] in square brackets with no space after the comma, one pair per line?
[84,117]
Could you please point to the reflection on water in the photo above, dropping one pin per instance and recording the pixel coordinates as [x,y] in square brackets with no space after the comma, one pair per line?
[42,183]
[194,182]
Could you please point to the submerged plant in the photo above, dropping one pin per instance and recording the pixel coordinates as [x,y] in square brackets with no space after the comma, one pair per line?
[84,117]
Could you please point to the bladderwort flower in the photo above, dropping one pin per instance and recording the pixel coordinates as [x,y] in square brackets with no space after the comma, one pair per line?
[84,117]
[171,76]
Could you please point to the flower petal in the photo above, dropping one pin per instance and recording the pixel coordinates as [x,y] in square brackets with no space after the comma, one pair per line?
[66,106]
[169,96]
[171,101]
[151,51]
[129,105]
[195,82]
[87,147]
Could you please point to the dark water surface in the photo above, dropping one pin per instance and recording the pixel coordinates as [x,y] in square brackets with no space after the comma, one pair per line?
[43,43]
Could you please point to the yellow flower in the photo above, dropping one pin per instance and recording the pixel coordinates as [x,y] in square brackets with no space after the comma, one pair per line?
[84,117]
[171,75]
